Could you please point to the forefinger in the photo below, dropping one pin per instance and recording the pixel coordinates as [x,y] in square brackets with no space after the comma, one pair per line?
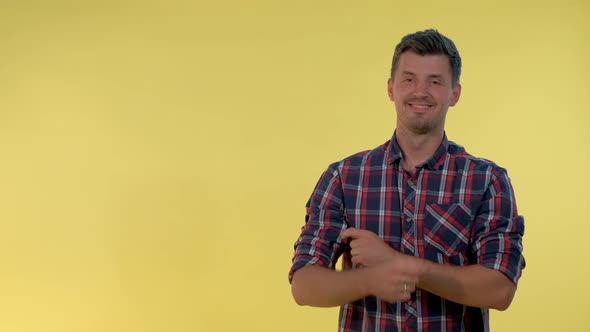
[351,232]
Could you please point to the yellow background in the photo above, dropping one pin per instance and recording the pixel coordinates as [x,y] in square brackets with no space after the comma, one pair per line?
[156,156]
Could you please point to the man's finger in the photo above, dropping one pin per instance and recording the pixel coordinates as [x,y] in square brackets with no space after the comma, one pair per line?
[352,233]
[355,233]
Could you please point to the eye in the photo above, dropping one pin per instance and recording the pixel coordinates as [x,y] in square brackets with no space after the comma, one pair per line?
[436,82]
[408,80]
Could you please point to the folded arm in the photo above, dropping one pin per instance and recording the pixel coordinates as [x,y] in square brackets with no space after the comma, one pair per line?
[472,285]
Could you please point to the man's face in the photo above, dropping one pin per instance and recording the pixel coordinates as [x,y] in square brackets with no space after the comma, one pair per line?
[422,91]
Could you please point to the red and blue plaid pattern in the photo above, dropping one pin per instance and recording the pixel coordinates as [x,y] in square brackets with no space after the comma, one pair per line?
[456,210]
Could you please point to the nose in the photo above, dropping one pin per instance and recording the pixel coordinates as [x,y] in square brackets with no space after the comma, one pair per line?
[421,88]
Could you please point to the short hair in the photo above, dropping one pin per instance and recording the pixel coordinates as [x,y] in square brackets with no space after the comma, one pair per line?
[429,42]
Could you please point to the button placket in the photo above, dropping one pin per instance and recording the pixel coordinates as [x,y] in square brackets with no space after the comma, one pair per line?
[407,198]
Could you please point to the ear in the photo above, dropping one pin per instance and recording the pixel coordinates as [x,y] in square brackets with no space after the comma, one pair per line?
[456,94]
[390,89]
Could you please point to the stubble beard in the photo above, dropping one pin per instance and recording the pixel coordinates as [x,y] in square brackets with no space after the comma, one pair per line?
[421,126]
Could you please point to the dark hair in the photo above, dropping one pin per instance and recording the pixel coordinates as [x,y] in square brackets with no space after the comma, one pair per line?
[429,42]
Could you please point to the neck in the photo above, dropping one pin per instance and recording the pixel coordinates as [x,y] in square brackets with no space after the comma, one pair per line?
[417,148]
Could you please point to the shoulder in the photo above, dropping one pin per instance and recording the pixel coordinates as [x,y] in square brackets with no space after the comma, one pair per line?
[464,160]
[362,159]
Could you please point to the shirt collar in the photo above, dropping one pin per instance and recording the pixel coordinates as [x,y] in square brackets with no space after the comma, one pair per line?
[437,159]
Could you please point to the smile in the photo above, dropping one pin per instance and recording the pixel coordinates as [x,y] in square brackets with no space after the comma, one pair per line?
[420,107]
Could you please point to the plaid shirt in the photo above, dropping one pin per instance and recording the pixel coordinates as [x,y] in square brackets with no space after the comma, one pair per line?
[456,210]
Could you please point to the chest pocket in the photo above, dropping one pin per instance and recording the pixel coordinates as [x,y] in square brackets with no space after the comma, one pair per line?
[446,232]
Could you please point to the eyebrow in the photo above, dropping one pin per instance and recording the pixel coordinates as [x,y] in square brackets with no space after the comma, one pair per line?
[439,76]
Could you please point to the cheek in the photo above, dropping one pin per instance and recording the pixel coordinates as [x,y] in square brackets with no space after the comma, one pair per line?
[399,101]
[400,94]
[443,97]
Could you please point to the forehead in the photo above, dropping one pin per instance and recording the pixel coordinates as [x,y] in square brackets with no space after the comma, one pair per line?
[437,64]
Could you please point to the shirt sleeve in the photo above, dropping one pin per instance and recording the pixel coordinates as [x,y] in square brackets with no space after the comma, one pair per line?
[499,229]
[319,242]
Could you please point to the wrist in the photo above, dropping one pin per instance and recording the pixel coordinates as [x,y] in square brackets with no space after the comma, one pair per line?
[423,270]
[362,282]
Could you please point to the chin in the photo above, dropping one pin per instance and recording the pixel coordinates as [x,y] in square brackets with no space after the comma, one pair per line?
[421,128]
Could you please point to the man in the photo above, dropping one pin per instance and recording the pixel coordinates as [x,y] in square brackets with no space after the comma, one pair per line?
[429,235]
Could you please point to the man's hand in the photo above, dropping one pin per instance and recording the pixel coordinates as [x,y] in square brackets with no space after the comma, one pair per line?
[367,249]
[392,281]
[391,276]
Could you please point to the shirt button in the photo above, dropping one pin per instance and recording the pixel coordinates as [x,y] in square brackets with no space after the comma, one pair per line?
[408,219]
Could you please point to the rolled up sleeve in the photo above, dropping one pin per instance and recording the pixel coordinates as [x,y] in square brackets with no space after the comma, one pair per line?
[319,242]
[499,229]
